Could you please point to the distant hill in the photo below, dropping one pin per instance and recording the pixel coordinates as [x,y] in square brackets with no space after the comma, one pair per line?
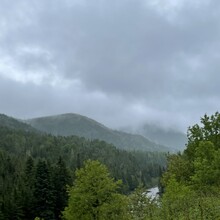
[74,124]
[12,123]
[168,137]
[172,138]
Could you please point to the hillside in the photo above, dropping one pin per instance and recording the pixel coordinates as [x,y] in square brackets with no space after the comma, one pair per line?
[12,123]
[74,124]
[175,139]
[168,137]
[36,165]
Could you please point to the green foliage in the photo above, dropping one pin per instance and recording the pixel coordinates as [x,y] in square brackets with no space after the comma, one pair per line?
[131,167]
[177,200]
[184,203]
[43,192]
[94,195]
[27,183]
[12,123]
[32,163]
[142,207]
[74,124]
[60,178]
[192,179]
[178,167]
[208,131]
[206,165]
[9,195]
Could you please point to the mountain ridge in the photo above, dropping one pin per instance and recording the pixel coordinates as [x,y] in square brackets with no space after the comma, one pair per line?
[75,124]
[13,123]
[171,137]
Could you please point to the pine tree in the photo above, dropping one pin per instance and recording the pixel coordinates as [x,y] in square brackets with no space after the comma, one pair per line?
[28,189]
[43,192]
[61,178]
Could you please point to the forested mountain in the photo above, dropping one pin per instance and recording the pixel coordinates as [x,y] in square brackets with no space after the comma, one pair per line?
[74,124]
[36,167]
[191,183]
[13,123]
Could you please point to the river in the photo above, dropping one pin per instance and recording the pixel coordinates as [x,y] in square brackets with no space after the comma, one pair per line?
[153,192]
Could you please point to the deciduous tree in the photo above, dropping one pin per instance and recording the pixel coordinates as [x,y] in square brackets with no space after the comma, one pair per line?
[94,195]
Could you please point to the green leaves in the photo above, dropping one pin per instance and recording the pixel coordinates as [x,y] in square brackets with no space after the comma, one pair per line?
[43,192]
[177,200]
[206,165]
[192,180]
[94,195]
[20,152]
[141,207]
[208,131]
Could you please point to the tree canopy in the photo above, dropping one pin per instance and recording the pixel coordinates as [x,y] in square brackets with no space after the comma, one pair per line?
[94,195]
[192,179]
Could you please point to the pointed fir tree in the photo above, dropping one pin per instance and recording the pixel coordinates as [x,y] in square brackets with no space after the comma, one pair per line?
[28,189]
[61,178]
[43,192]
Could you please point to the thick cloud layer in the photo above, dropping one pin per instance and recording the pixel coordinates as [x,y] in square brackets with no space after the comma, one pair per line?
[120,62]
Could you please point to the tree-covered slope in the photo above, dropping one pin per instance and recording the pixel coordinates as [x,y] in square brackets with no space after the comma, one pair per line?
[33,182]
[6,121]
[74,124]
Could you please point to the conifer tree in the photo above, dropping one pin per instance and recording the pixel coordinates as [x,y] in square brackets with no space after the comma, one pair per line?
[28,189]
[61,178]
[43,192]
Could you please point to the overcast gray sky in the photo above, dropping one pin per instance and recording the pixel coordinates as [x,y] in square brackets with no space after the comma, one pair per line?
[121,62]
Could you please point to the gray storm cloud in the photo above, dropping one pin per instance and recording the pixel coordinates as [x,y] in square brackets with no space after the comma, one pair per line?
[121,62]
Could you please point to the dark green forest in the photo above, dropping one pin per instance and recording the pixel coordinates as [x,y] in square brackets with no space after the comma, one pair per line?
[75,124]
[190,186]
[36,168]
[71,178]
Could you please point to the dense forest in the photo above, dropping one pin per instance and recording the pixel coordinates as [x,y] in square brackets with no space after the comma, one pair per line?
[82,126]
[48,177]
[192,180]
[36,168]
[190,186]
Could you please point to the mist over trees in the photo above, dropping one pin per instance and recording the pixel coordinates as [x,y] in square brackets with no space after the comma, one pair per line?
[192,179]
[36,168]
[72,178]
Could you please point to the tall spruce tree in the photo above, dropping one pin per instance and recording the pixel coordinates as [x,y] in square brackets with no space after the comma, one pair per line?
[43,192]
[61,178]
[28,189]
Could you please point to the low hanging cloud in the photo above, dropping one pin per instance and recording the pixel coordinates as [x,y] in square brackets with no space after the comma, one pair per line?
[122,63]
